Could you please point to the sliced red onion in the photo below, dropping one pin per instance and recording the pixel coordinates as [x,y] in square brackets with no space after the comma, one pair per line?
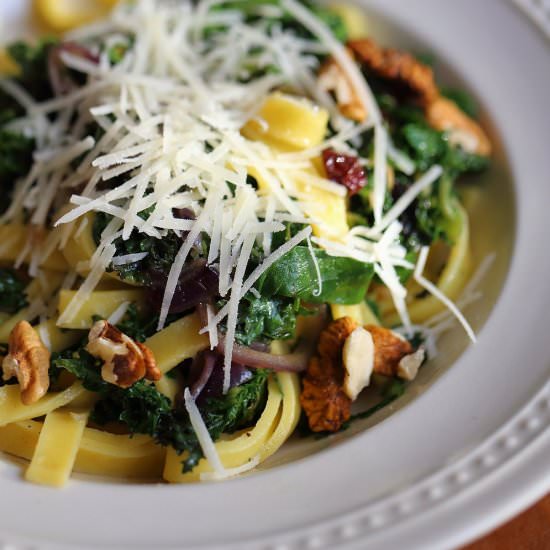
[291,362]
[206,376]
[198,283]
[183,213]
[201,371]
[296,361]
[59,76]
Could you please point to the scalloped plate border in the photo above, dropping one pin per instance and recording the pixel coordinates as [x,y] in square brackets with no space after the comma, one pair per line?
[516,438]
[538,11]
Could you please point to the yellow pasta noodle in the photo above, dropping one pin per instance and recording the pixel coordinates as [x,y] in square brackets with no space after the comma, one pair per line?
[290,414]
[12,410]
[450,282]
[13,239]
[177,342]
[100,453]
[237,449]
[56,449]
[101,303]
[360,313]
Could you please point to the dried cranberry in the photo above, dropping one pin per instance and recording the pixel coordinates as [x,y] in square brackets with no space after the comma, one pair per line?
[345,170]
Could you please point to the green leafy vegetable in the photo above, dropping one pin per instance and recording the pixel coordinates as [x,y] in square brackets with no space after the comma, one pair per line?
[249,8]
[15,148]
[343,280]
[267,319]
[463,99]
[32,61]
[15,159]
[143,409]
[137,325]
[12,291]
[161,252]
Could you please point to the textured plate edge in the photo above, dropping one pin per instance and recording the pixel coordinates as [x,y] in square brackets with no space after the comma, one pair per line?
[460,479]
[538,11]
[354,528]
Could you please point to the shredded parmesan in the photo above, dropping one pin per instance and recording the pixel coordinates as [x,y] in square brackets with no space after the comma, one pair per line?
[170,114]
[207,445]
[119,313]
[434,291]
[231,472]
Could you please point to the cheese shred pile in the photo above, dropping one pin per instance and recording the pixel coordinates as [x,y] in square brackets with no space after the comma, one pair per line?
[171,111]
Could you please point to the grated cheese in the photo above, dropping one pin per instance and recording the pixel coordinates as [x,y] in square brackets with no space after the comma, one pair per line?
[171,112]
[231,472]
[119,313]
[205,441]
[434,291]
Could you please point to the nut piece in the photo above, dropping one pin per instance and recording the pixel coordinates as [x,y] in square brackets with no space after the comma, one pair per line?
[406,71]
[126,361]
[358,358]
[29,360]
[409,365]
[332,339]
[416,81]
[323,398]
[389,349]
[444,115]
[333,79]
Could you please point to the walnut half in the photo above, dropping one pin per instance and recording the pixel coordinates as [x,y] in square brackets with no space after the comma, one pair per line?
[28,359]
[126,361]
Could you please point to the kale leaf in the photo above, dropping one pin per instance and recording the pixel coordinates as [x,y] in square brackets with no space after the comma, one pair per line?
[249,8]
[267,319]
[12,291]
[15,158]
[343,280]
[138,326]
[428,146]
[144,410]
[32,61]
[161,252]
[15,148]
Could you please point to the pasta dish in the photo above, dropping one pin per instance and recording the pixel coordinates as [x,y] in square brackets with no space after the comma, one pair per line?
[223,222]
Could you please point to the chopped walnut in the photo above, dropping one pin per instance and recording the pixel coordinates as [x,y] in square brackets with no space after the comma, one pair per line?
[126,361]
[389,349]
[28,359]
[409,365]
[444,115]
[333,79]
[358,359]
[400,67]
[416,80]
[323,397]
[332,339]
[343,365]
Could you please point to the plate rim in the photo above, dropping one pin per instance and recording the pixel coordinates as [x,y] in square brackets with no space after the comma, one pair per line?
[350,529]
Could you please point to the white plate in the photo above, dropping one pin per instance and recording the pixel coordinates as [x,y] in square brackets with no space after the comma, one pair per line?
[468,453]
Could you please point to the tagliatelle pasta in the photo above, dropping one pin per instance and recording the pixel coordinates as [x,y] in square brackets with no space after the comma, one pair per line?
[221,219]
